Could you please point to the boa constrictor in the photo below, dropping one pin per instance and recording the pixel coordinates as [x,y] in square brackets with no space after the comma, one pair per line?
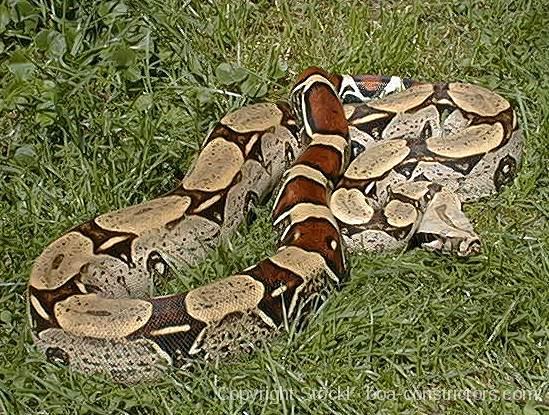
[363,163]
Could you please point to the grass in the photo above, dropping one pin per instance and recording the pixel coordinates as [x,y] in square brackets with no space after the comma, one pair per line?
[103,104]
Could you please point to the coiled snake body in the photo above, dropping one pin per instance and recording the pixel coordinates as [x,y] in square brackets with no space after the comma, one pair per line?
[361,163]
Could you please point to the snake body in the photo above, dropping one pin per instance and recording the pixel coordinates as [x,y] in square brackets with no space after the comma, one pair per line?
[360,163]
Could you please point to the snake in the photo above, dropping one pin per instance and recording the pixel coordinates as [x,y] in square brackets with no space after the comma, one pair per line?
[356,163]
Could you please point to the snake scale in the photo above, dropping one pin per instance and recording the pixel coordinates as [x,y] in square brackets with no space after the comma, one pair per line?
[361,163]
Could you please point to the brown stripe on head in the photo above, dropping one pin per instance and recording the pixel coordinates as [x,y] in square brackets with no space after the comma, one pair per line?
[318,235]
[299,190]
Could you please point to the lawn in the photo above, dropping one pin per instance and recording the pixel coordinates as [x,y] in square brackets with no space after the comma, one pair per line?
[104,104]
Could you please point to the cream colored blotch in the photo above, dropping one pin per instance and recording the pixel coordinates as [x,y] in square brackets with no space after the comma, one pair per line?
[351,207]
[214,301]
[145,216]
[93,316]
[256,117]
[478,139]
[217,165]
[378,160]
[400,214]
[405,100]
[61,260]
[303,263]
[369,118]
[473,98]
[412,190]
